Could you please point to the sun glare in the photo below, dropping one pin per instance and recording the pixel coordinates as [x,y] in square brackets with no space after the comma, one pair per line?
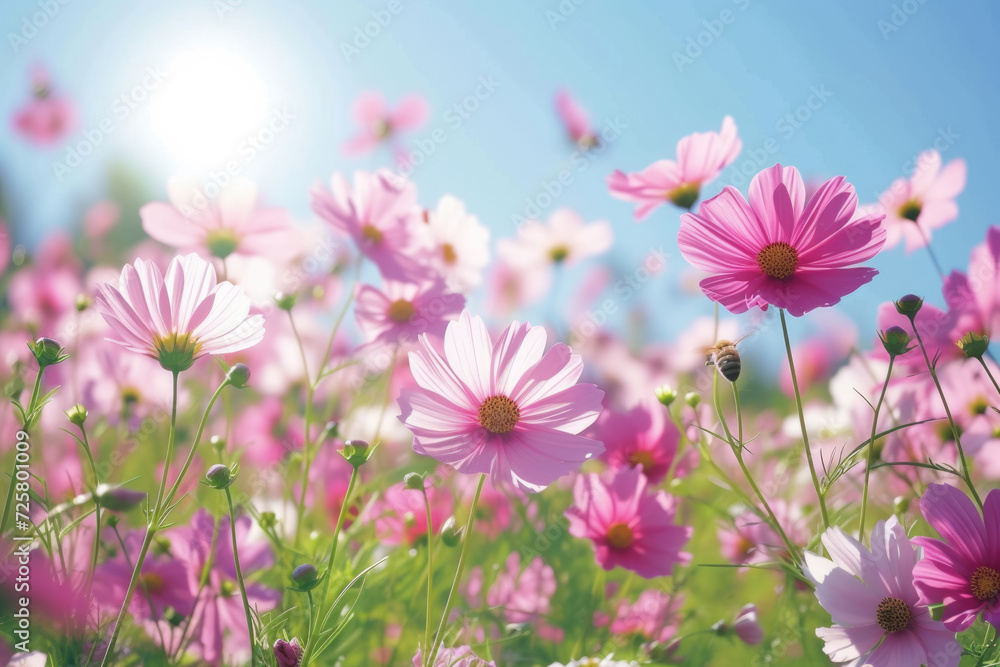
[211,100]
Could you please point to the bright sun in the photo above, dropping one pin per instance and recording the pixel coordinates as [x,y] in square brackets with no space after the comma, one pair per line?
[210,101]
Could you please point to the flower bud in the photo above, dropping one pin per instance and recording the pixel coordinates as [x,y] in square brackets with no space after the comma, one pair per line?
[284,301]
[219,476]
[451,534]
[77,414]
[118,498]
[909,305]
[47,352]
[692,399]
[665,394]
[239,375]
[305,577]
[268,520]
[973,344]
[900,504]
[413,481]
[288,654]
[747,627]
[357,452]
[895,341]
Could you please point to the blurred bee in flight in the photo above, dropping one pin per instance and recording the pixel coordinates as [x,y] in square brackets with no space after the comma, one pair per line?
[726,357]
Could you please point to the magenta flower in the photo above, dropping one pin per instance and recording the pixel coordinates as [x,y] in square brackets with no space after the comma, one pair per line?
[652,616]
[975,297]
[923,202]
[641,437]
[963,570]
[233,223]
[400,516]
[524,596]
[46,118]
[879,620]
[381,215]
[576,121]
[629,527]
[778,249]
[700,158]
[181,317]
[378,123]
[403,311]
[509,409]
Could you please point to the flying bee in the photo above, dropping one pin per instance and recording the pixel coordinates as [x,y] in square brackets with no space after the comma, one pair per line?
[726,358]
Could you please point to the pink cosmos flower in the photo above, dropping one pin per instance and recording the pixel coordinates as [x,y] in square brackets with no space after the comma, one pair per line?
[381,215]
[100,218]
[461,244]
[43,294]
[747,627]
[181,317]
[652,616]
[751,540]
[700,158]
[512,288]
[963,570]
[523,597]
[576,121]
[400,516]
[403,311]
[565,239]
[641,437]
[46,118]
[628,526]
[377,123]
[778,249]
[878,617]
[460,656]
[975,296]
[508,408]
[233,223]
[924,202]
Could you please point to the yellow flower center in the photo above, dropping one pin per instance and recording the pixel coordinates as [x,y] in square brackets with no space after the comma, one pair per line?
[620,536]
[176,352]
[985,583]
[559,253]
[499,414]
[372,234]
[641,457]
[381,129]
[685,195]
[449,254]
[401,311]
[222,242]
[910,210]
[778,260]
[152,581]
[130,395]
[892,614]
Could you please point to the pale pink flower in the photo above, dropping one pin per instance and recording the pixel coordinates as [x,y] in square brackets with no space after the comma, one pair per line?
[232,223]
[779,249]
[45,118]
[576,121]
[181,317]
[380,213]
[508,408]
[461,244]
[400,312]
[566,239]
[522,596]
[100,218]
[43,294]
[925,201]
[400,516]
[640,438]
[628,526]
[652,616]
[512,288]
[700,158]
[378,123]
[878,617]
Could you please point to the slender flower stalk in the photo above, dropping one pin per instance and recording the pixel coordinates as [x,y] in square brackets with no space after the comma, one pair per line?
[430,566]
[966,476]
[239,573]
[97,509]
[439,636]
[26,424]
[802,422]
[871,450]
[989,374]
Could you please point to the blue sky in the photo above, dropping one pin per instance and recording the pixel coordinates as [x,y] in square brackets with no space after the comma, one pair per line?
[894,77]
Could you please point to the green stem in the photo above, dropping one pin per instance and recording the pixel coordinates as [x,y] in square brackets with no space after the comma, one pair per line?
[947,410]
[992,379]
[97,513]
[197,441]
[13,472]
[439,636]
[239,575]
[150,532]
[170,444]
[329,563]
[802,422]
[871,449]
[430,569]
[307,443]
